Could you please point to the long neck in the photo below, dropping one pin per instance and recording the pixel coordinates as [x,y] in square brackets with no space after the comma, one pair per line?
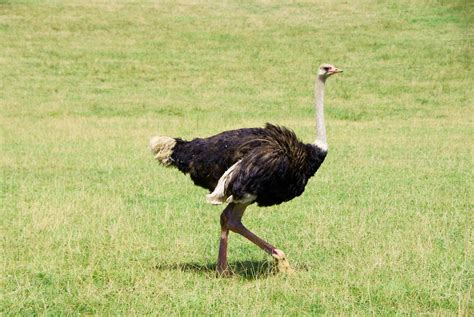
[321,141]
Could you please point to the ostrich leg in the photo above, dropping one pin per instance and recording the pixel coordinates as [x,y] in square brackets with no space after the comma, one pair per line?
[222,267]
[234,223]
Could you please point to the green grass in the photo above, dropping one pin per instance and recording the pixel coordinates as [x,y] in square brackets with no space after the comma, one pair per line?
[90,224]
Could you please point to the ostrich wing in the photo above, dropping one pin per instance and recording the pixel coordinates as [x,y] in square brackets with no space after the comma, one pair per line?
[267,174]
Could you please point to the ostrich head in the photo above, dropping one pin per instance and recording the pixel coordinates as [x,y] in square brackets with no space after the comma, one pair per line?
[326,70]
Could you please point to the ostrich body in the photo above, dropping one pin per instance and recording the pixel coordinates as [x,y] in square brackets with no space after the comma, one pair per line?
[266,166]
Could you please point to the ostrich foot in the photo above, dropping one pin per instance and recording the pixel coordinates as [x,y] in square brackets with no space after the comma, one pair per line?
[220,272]
[282,263]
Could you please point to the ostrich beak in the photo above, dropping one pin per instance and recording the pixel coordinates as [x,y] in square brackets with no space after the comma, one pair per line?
[336,70]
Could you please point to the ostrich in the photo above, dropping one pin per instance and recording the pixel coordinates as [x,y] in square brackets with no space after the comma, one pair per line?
[266,166]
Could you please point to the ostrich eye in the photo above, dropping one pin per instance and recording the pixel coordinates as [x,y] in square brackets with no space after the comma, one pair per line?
[326,69]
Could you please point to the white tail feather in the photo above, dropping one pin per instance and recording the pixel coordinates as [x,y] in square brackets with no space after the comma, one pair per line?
[162,148]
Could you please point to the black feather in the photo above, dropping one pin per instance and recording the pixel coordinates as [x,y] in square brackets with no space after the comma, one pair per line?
[275,166]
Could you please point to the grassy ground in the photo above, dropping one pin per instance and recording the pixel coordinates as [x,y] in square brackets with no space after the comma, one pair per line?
[90,224]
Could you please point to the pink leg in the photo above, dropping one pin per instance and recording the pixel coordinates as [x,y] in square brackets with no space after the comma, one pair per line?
[222,267]
[234,223]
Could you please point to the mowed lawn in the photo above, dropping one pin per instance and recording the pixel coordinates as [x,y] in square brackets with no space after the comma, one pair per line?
[91,224]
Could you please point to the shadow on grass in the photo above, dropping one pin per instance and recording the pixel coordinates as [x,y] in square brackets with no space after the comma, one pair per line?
[246,269]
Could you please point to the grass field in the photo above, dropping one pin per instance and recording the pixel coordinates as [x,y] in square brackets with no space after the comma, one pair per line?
[90,224]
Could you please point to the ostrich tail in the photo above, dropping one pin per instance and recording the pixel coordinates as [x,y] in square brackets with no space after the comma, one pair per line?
[162,149]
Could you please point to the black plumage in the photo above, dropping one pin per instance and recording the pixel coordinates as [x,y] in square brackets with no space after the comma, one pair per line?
[275,166]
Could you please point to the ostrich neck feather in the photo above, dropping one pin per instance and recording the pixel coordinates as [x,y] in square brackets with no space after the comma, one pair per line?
[321,141]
